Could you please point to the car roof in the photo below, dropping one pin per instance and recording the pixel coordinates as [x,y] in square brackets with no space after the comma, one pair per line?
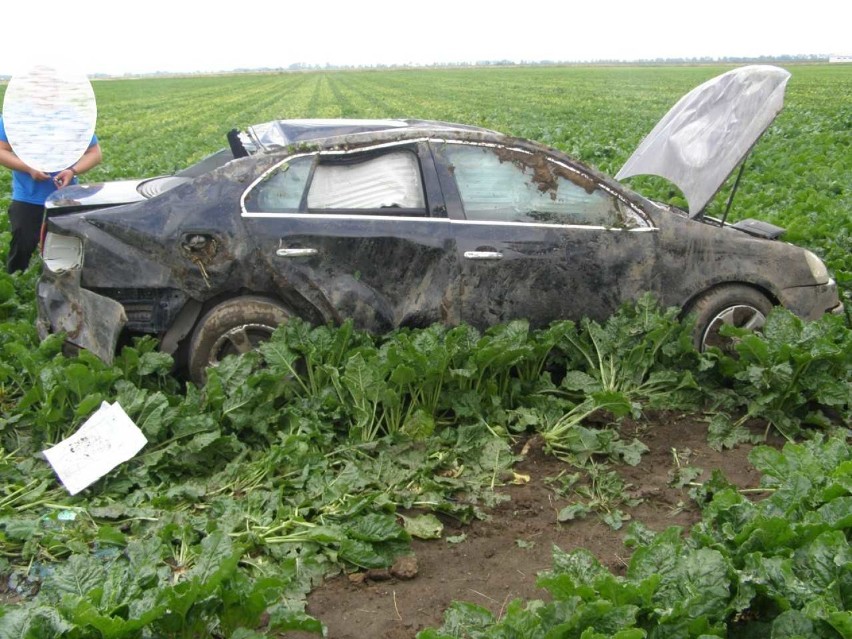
[282,138]
[279,134]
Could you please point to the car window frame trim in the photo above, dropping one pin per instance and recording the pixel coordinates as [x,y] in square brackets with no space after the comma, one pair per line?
[637,211]
[316,153]
[430,141]
[444,220]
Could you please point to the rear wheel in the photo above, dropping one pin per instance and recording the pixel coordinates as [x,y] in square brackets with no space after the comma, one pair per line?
[235,326]
[732,305]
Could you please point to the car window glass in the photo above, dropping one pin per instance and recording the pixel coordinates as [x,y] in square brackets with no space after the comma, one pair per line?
[282,189]
[498,184]
[378,181]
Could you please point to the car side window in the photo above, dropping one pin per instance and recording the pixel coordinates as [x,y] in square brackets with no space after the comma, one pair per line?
[388,180]
[281,190]
[505,185]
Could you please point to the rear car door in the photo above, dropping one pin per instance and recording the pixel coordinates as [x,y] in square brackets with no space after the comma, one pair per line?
[359,234]
[538,237]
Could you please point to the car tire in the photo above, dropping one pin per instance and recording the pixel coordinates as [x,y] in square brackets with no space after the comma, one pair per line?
[732,304]
[232,327]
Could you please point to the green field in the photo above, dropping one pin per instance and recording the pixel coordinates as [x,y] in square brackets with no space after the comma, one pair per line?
[294,463]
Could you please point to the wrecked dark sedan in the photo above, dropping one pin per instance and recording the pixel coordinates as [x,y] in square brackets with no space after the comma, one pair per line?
[397,223]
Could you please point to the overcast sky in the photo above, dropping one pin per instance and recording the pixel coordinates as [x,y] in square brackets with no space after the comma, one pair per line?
[105,36]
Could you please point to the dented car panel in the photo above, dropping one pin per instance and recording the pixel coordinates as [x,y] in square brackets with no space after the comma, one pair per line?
[701,256]
[811,302]
[89,320]
[380,272]
[519,261]
[391,224]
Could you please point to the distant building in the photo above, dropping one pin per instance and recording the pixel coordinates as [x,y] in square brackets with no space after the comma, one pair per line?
[839,58]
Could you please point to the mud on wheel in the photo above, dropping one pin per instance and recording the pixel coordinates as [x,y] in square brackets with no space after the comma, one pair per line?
[235,326]
[732,304]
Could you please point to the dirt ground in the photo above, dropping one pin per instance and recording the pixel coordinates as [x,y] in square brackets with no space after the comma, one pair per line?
[499,559]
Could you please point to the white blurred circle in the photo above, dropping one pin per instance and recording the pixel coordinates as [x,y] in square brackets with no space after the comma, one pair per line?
[49,115]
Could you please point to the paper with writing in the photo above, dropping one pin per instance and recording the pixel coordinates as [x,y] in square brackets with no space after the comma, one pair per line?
[107,439]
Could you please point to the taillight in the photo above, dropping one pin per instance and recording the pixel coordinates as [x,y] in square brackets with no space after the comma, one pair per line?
[62,252]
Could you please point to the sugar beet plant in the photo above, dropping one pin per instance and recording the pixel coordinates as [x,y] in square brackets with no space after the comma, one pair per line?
[795,373]
[777,567]
[296,461]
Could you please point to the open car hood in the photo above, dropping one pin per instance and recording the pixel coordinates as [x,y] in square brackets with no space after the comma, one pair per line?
[703,137]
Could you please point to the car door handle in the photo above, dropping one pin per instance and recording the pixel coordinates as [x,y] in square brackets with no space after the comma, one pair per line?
[483,255]
[295,252]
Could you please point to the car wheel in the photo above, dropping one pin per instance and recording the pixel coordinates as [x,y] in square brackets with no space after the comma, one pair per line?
[235,326]
[734,305]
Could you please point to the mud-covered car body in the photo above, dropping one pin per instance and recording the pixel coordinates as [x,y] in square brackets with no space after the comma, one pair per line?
[388,223]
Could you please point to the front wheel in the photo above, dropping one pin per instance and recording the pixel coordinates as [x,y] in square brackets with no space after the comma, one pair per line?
[235,326]
[732,305]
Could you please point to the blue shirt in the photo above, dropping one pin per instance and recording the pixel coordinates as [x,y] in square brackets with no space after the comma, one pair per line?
[24,187]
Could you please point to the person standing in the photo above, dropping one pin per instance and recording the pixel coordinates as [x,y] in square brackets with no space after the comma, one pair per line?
[30,189]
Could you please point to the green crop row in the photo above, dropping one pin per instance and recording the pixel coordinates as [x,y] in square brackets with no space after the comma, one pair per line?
[781,567]
[329,449]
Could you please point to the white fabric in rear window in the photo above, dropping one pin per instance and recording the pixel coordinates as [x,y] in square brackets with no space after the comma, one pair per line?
[384,181]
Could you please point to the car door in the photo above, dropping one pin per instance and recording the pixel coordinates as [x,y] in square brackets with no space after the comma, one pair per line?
[539,238]
[360,234]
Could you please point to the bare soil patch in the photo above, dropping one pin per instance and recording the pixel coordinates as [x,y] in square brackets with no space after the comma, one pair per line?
[498,560]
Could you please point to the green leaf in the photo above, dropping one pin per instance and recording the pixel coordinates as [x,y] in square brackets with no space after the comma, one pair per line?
[110,626]
[155,363]
[580,381]
[821,561]
[838,513]
[465,619]
[217,560]
[284,619]
[841,621]
[377,527]
[581,565]
[111,536]
[77,576]
[419,425]
[88,405]
[362,554]
[792,624]
[573,511]
[33,622]
[723,432]
[423,526]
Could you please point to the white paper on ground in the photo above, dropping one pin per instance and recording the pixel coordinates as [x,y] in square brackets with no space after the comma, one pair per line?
[107,439]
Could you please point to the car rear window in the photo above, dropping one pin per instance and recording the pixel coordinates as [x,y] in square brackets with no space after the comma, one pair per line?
[382,182]
[281,190]
[389,180]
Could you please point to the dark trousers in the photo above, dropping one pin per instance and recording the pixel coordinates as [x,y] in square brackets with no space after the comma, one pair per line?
[25,221]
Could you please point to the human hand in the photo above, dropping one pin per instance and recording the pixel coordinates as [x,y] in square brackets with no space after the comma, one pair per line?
[39,176]
[63,178]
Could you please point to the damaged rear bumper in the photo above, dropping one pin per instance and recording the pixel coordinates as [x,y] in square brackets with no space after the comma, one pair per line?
[89,320]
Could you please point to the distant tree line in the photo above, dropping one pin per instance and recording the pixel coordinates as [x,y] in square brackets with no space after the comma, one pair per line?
[303,66]
[811,57]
